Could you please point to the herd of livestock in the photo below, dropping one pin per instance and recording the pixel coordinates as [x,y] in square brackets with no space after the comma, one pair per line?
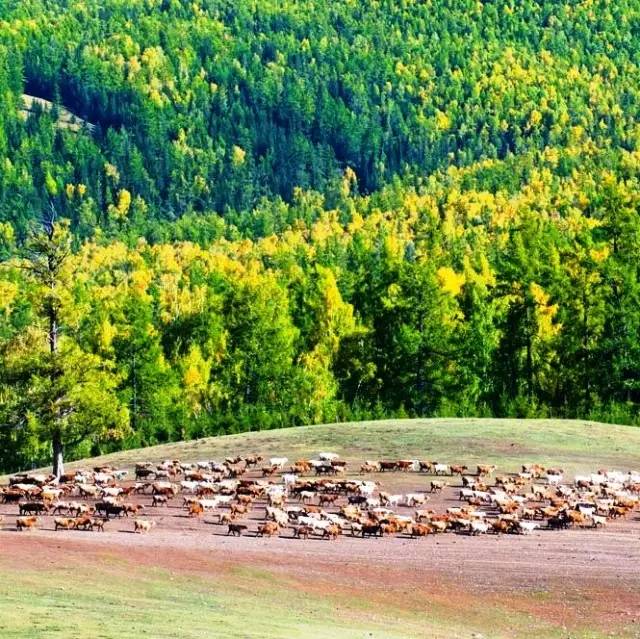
[318,497]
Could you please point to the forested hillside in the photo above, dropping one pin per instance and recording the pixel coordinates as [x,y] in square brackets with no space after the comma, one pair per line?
[289,212]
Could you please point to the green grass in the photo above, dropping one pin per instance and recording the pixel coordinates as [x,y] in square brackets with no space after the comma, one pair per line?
[577,446]
[245,603]
[109,600]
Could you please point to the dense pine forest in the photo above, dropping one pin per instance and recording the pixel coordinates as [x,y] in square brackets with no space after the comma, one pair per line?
[272,213]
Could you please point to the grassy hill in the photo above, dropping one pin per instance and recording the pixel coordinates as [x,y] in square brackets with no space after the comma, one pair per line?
[577,446]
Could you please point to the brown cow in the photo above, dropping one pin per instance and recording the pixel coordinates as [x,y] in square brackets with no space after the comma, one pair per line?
[368,468]
[82,523]
[420,530]
[457,469]
[252,460]
[269,528]
[196,510]
[501,526]
[64,523]
[26,522]
[132,509]
[239,509]
[302,532]
[328,499]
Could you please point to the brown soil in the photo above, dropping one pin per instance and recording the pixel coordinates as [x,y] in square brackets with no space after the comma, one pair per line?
[571,578]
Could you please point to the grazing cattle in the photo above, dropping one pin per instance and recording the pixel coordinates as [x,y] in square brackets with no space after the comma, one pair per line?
[484,470]
[421,515]
[426,466]
[332,531]
[457,469]
[269,528]
[436,486]
[167,489]
[501,526]
[439,525]
[371,530]
[302,532]
[33,508]
[369,467]
[196,509]
[159,500]
[26,522]
[387,465]
[89,491]
[420,530]
[415,499]
[143,525]
[239,509]
[478,527]
[442,469]
[328,499]
[132,509]
[278,462]
[236,529]
[64,523]
[527,527]
[11,496]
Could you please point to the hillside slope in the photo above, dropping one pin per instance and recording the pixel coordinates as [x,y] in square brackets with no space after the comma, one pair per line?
[576,446]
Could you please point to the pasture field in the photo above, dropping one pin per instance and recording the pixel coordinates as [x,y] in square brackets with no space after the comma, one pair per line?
[188,579]
[577,446]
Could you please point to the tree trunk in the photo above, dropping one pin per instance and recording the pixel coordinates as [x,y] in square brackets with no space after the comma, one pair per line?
[58,453]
